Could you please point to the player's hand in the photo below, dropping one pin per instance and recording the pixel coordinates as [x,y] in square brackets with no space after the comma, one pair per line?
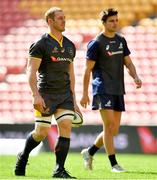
[138,82]
[39,104]
[77,109]
[84,101]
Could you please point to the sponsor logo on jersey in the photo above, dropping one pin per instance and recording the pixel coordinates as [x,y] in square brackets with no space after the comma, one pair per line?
[54,59]
[113,53]
[59,59]
[109,53]
[112,42]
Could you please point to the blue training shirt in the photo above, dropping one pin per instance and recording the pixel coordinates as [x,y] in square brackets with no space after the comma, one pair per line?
[108,72]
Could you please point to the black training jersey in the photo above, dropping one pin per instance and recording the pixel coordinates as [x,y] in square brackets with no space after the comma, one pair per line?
[54,68]
[108,72]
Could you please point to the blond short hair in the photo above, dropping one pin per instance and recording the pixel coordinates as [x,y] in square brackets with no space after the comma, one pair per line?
[50,13]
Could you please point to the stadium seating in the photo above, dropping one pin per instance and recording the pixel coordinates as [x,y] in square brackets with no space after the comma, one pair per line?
[129,9]
[17,34]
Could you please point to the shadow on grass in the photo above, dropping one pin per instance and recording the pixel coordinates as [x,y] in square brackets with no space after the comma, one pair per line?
[141,172]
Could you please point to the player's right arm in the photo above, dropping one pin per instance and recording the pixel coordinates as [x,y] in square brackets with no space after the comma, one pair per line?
[88,69]
[33,65]
[91,56]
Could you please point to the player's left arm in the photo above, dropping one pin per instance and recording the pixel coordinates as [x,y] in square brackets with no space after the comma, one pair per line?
[72,85]
[132,71]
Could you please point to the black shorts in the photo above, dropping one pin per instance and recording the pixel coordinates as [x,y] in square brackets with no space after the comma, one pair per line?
[54,102]
[106,101]
[58,101]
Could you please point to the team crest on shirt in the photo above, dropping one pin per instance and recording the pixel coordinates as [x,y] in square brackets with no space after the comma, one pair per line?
[55,50]
[70,51]
[107,47]
[62,50]
[120,46]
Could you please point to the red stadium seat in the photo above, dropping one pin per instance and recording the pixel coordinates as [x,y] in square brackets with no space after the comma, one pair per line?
[3,72]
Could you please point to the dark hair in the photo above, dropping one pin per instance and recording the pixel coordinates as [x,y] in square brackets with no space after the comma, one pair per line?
[107,13]
[50,13]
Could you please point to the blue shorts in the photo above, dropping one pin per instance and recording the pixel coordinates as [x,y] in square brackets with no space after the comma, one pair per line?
[107,101]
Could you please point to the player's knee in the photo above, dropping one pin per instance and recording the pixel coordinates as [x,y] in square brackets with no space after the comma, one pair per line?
[110,129]
[65,125]
[64,129]
[115,132]
[40,135]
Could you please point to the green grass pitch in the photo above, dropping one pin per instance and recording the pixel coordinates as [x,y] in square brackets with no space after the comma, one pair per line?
[41,166]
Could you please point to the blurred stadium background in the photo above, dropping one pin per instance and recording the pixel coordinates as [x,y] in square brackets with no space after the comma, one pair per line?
[22,22]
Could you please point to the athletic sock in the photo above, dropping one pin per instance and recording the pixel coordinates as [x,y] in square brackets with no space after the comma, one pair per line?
[29,146]
[112,159]
[61,151]
[92,150]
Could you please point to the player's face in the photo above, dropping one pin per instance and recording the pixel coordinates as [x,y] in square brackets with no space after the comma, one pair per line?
[111,24]
[59,21]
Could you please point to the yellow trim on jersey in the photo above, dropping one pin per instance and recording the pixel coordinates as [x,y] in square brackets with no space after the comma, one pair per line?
[34,57]
[37,113]
[54,37]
